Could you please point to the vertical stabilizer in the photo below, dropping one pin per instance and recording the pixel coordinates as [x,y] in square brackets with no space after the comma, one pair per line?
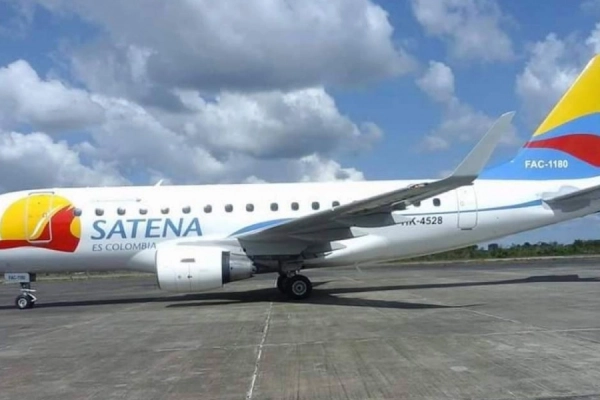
[566,145]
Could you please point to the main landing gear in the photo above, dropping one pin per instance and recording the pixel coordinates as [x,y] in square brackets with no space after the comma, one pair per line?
[295,286]
[27,298]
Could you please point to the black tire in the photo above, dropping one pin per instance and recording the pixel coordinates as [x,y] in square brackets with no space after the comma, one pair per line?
[281,280]
[298,287]
[23,302]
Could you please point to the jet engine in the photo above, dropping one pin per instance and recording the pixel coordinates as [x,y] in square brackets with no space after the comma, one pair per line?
[188,269]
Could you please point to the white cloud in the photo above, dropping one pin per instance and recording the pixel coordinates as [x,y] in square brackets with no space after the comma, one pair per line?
[273,124]
[203,91]
[460,121]
[135,140]
[472,28]
[590,6]
[253,179]
[314,168]
[35,161]
[552,66]
[438,82]
[230,139]
[47,105]
[153,46]
[435,142]
[270,136]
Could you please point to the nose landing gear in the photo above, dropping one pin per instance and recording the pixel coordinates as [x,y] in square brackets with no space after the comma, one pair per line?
[27,298]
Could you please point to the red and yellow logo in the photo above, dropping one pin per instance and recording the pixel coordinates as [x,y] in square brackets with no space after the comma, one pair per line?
[40,220]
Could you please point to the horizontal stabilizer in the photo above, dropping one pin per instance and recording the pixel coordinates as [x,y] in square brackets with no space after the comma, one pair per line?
[588,194]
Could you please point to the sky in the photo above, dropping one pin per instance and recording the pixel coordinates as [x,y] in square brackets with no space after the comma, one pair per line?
[199,91]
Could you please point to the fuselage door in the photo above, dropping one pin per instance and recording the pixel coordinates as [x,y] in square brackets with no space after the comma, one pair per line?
[467,207]
[38,217]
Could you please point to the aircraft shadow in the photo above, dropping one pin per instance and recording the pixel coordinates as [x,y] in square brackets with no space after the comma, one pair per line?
[322,296]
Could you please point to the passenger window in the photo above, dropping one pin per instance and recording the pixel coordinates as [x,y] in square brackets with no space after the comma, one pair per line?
[295,206]
[121,211]
[399,206]
[143,211]
[229,208]
[208,209]
[437,202]
[417,204]
[315,205]
[335,204]
[164,210]
[274,207]
[77,212]
[186,209]
[249,207]
[99,212]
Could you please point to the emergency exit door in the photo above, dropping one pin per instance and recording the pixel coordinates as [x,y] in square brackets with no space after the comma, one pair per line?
[467,207]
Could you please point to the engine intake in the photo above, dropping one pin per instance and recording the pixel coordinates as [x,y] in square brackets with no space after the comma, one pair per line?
[188,269]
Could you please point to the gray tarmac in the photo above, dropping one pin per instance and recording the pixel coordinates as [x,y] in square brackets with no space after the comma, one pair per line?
[447,331]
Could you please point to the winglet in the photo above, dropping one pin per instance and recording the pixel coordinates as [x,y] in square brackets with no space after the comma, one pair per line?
[472,165]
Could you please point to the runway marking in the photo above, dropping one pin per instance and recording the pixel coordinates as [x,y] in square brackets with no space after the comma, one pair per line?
[499,317]
[260,348]
[542,330]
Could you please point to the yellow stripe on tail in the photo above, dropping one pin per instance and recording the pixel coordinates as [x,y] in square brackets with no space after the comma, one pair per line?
[582,98]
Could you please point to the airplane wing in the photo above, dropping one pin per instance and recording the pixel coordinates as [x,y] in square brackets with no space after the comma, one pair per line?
[332,224]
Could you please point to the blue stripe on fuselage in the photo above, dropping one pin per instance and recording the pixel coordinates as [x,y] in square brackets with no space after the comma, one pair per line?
[532,203]
[271,223]
[261,225]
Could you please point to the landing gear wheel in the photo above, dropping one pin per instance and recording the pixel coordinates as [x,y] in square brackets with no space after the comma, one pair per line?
[281,280]
[24,301]
[298,287]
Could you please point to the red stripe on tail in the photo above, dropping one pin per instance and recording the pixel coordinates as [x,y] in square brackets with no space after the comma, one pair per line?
[583,146]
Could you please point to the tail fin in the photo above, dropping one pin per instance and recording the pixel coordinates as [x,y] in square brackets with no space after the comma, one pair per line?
[567,143]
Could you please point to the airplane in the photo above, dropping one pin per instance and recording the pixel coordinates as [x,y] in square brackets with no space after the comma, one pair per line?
[200,237]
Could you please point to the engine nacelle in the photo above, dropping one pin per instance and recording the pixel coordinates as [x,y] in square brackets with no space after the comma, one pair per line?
[188,269]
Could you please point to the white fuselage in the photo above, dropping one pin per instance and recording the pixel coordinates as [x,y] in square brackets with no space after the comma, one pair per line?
[122,226]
